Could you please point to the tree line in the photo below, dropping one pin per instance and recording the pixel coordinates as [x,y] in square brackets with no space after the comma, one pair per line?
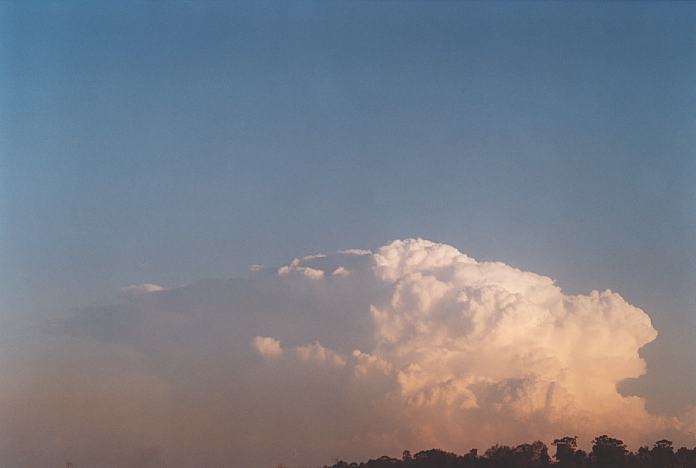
[607,452]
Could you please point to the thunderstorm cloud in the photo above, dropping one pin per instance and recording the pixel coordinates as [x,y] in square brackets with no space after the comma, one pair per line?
[351,354]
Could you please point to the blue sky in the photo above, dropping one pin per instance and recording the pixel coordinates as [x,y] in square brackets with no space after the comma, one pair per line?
[144,142]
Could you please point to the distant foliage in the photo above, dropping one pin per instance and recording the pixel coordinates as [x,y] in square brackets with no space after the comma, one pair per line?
[607,452]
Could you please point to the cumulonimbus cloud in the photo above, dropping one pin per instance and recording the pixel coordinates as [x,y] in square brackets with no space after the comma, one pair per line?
[415,345]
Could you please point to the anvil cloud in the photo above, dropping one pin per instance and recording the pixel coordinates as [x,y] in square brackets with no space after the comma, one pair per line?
[352,354]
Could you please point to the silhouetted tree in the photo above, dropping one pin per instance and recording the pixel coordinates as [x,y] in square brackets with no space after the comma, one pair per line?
[580,459]
[607,451]
[662,454]
[531,455]
[435,457]
[565,449]
[685,458]
[642,458]
[501,455]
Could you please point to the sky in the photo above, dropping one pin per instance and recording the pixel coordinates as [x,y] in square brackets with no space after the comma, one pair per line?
[143,143]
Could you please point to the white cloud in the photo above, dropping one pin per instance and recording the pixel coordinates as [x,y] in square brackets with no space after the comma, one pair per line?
[365,362]
[340,272]
[356,252]
[267,347]
[315,352]
[420,346]
[463,334]
[314,257]
[295,268]
[139,289]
